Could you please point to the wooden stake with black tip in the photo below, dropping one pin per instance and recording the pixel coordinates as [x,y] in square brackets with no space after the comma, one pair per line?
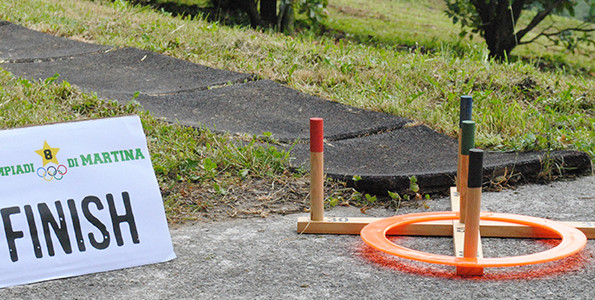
[467,142]
[472,234]
[465,110]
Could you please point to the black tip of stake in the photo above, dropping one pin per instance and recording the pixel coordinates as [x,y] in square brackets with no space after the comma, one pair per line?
[475,178]
[465,109]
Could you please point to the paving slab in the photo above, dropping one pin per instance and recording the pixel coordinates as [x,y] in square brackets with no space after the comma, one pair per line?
[264,258]
[386,161]
[382,149]
[266,106]
[118,74]
[20,44]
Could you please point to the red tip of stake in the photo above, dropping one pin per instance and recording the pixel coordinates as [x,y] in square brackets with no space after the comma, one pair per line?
[316,135]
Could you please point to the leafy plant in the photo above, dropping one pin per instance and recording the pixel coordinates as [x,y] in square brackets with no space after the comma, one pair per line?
[367,201]
[413,184]
[396,200]
[315,12]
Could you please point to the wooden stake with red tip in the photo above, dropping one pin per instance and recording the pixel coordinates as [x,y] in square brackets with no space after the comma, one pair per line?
[316,169]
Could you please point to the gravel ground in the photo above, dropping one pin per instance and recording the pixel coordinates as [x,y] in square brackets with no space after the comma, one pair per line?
[264,258]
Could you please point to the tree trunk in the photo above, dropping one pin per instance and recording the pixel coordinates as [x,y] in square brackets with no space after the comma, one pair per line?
[499,19]
[500,38]
[249,6]
[268,12]
[286,16]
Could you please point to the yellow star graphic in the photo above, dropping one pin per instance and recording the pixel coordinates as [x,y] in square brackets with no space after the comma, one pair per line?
[48,154]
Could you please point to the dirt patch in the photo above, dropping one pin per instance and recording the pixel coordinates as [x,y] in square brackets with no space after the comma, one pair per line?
[245,199]
[360,13]
[261,198]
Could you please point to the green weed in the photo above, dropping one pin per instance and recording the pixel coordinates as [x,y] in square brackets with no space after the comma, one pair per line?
[185,160]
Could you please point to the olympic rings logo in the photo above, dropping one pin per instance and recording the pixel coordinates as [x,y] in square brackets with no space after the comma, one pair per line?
[52,172]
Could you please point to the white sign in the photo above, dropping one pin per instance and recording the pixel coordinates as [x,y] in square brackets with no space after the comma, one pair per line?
[78,198]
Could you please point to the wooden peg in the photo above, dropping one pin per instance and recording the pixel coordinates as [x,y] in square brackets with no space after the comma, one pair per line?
[316,169]
[471,242]
[467,142]
[464,115]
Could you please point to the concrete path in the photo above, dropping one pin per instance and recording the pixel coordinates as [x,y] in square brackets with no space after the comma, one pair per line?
[267,259]
[382,149]
[19,44]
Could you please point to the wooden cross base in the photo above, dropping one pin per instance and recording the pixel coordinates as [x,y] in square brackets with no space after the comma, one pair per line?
[353,225]
[349,225]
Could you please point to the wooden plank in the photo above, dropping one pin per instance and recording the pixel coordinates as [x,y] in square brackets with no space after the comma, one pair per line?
[459,241]
[458,235]
[353,225]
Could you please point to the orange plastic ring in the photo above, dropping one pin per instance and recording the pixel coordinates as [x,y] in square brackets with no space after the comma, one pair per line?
[573,240]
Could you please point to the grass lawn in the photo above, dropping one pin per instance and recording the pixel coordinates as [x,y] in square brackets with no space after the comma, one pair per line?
[200,174]
[423,23]
[517,105]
